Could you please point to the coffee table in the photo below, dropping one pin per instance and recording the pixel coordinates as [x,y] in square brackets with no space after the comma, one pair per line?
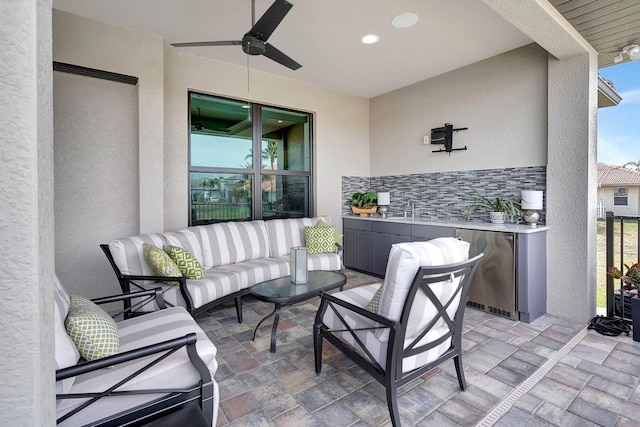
[282,292]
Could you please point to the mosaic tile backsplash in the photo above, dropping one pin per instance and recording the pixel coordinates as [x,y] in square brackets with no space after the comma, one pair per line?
[445,195]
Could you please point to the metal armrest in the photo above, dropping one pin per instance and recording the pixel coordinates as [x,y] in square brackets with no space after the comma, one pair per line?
[127,356]
[182,281]
[156,293]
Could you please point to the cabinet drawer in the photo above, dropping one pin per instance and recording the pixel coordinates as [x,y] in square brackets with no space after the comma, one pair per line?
[428,232]
[356,224]
[390,227]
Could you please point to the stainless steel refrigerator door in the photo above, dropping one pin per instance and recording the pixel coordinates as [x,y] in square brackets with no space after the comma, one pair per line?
[493,287]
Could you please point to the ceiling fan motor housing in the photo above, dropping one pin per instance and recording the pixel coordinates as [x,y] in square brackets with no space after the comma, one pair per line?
[252,45]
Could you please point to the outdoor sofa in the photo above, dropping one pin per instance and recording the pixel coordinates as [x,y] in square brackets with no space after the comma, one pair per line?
[234,256]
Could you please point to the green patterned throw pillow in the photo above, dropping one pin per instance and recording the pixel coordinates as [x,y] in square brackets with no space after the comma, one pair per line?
[375,301]
[160,262]
[336,234]
[93,331]
[320,240]
[187,263]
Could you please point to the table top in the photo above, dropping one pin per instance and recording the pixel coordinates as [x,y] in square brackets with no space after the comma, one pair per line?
[282,291]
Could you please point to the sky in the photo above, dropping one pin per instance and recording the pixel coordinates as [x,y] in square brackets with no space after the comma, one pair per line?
[619,126]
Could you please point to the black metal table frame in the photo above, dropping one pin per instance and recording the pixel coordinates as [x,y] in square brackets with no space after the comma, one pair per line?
[287,301]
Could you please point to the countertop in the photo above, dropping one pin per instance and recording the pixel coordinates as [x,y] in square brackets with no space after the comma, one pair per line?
[470,225]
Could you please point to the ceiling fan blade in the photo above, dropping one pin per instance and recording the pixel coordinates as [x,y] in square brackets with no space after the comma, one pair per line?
[270,20]
[272,53]
[218,43]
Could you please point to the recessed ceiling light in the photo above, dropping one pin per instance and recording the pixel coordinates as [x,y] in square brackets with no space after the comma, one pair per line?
[405,20]
[245,106]
[370,39]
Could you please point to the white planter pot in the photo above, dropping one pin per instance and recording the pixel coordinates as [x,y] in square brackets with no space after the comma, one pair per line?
[496,217]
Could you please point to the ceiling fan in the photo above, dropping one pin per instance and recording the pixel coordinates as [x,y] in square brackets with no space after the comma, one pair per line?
[254,42]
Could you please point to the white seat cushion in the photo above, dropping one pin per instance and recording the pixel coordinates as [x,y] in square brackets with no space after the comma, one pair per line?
[216,284]
[175,371]
[403,264]
[360,297]
[258,270]
[66,352]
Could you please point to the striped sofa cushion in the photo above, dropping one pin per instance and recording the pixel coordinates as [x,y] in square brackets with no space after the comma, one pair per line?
[216,284]
[258,270]
[175,370]
[231,242]
[404,261]
[360,297]
[327,262]
[189,239]
[128,255]
[287,233]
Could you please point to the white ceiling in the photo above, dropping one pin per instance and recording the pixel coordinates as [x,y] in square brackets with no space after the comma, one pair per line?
[324,36]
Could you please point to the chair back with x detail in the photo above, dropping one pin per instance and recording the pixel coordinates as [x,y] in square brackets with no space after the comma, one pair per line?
[417,324]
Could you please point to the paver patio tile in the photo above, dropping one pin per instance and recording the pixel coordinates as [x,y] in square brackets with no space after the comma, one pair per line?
[560,417]
[589,353]
[320,395]
[367,407]
[336,415]
[296,417]
[239,406]
[554,392]
[460,412]
[437,419]
[606,372]
[516,417]
[593,413]
[615,389]
[568,376]
[528,403]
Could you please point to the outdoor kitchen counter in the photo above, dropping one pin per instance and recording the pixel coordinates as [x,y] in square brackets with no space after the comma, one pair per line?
[520,291]
[470,225]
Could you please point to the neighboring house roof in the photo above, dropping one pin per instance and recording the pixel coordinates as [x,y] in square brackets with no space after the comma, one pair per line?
[609,175]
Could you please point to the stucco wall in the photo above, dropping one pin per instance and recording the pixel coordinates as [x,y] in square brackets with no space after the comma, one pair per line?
[502,100]
[93,44]
[26,215]
[341,126]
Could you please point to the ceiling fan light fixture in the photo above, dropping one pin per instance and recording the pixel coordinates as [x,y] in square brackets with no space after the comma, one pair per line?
[370,39]
[405,20]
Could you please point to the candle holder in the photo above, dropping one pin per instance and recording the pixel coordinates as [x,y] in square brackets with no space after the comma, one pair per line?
[299,265]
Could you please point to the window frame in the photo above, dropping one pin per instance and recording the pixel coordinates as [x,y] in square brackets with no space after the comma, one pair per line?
[256,172]
[619,197]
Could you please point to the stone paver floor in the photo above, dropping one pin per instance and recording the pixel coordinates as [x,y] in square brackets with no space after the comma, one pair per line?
[596,383]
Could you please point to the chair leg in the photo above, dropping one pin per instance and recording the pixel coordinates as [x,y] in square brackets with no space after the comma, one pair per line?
[317,347]
[457,361]
[392,403]
[239,309]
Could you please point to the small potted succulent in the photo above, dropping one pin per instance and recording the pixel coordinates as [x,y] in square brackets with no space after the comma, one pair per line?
[364,203]
[500,210]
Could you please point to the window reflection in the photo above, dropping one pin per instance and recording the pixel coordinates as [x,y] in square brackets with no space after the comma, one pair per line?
[220,197]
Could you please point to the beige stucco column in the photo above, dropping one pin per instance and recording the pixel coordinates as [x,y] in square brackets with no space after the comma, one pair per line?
[572,187]
[27,395]
[571,148]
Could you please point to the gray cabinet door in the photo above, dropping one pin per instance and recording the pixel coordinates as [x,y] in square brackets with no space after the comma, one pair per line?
[380,247]
[357,244]
[421,233]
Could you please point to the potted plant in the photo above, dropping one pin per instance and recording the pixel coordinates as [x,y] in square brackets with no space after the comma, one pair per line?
[500,210]
[364,203]
[631,280]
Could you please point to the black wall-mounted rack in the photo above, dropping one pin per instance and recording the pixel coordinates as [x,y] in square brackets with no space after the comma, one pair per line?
[444,135]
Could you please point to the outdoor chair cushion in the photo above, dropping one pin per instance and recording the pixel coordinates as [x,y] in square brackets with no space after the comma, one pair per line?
[231,242]
[128,255]
[404,261]
[285,234]
[360,297]
[175,371]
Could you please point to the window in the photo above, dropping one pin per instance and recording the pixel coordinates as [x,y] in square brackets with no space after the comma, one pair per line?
[248,161]
[620,196]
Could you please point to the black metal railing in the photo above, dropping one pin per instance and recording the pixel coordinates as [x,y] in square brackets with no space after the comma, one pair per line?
[619,294]
[204,213]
